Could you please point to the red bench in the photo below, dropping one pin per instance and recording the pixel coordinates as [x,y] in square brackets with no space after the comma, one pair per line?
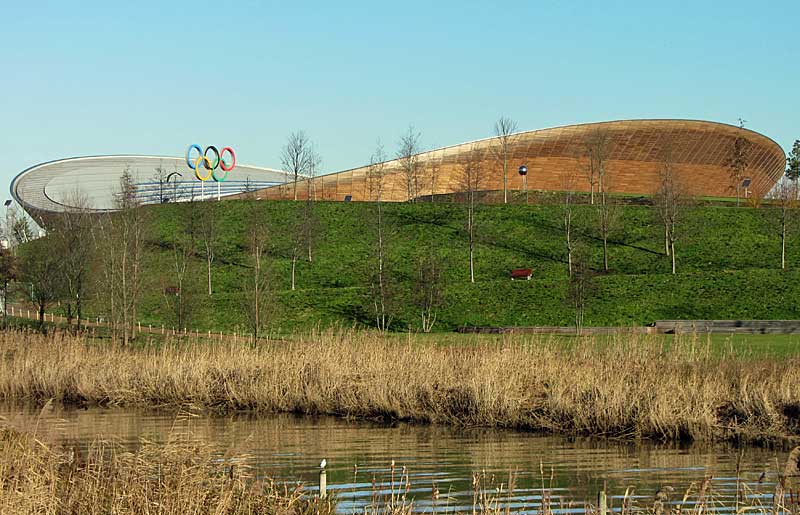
[521,273]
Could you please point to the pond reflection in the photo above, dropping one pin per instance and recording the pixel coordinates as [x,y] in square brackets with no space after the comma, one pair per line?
[434,465]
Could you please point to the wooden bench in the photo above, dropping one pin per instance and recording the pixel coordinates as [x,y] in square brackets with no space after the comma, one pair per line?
[521,273]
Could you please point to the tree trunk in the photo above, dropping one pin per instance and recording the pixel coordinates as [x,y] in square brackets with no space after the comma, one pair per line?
[209,259]
[783,244]
[381,301]
[471,229]
[208,267]
[672,252]
[505,176]
[605,253]
[133,320]
[666,239]
[5,304]
[294,266]
[569,262]
[471,264]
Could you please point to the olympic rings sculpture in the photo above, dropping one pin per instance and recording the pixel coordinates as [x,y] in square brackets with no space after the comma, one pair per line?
[202,158]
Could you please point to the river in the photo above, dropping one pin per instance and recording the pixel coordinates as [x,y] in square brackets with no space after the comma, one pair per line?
[289,448]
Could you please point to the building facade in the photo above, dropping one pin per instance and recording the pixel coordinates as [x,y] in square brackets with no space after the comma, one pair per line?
[632,152]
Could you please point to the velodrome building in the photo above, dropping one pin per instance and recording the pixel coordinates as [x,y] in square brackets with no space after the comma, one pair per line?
[53,187]
[556,159]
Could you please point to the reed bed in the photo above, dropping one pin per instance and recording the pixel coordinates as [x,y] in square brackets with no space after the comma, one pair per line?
[628,387]
[176,477]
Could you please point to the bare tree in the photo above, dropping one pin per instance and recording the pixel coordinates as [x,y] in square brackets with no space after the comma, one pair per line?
[184,247]
[671,200]
[20,229]
[258,285]
[597,151]
[8,273]
[470,184]
[786,200]
[309,225]
[39,274]
[376,172]
[428,294]
[581,286]
[607,216]
[380,287]
[504,129]
[208,231]
[297,157]
[568,202]
[410,166]
[296,245]
[302,228]
[121,243]
[159,179]
[71,237]
[248,192]
[738,160]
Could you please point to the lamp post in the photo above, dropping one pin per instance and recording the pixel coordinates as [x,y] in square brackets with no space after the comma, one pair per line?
[523,171]
[8,229]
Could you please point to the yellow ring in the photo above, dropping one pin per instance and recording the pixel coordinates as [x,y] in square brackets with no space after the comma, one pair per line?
[197,168]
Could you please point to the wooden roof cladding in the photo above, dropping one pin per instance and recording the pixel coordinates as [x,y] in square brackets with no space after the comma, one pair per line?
[635,148]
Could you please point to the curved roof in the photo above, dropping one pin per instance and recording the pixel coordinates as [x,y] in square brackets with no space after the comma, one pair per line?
[701,151]
[49,187]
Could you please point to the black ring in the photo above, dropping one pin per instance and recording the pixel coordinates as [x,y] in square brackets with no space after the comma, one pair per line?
[216,163]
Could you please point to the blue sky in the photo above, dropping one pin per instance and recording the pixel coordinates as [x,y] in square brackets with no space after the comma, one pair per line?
[81,78]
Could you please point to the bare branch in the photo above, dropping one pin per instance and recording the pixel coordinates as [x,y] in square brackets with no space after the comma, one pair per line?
[298,157]
[504,129]
[408,155]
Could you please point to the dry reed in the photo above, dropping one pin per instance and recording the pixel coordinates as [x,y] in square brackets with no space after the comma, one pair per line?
[628,387]
[181,476]
[176,477]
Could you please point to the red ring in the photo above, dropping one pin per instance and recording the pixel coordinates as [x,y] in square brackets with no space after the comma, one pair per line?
[222,161]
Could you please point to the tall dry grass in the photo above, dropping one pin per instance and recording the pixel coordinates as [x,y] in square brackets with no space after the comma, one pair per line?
[628,387]
[176,477]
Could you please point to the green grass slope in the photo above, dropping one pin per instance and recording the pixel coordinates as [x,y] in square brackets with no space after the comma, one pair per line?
[728,263]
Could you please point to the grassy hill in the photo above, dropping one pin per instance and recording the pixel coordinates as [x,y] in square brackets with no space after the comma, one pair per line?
[728,263]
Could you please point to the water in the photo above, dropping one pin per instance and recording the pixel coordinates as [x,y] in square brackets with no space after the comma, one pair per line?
[289,448]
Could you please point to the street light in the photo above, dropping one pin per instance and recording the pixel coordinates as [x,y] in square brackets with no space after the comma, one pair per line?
[523,171]
[8,229]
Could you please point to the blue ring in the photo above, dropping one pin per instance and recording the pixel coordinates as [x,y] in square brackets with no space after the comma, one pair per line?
[189,151]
